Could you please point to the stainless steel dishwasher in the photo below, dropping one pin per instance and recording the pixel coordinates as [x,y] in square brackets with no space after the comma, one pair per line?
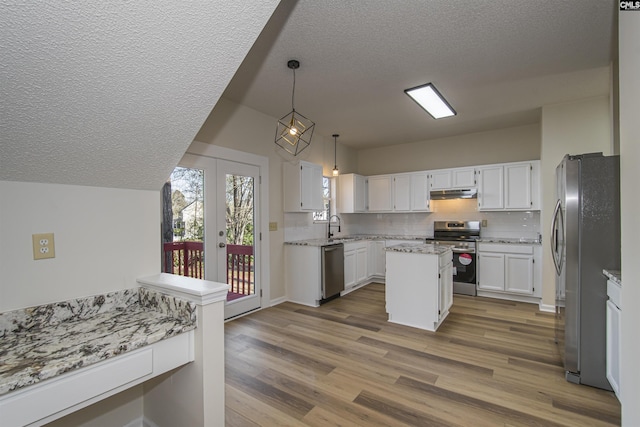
[332,263]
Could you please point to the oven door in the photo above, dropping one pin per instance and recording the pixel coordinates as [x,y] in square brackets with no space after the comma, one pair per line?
[464,271]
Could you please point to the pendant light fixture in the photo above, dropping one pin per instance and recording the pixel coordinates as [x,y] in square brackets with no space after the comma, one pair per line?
[336,172]
[294,131]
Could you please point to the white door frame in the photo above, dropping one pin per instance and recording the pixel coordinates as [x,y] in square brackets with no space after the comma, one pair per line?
[261,244]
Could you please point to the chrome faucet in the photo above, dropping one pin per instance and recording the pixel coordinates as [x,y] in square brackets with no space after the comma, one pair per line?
[329,233]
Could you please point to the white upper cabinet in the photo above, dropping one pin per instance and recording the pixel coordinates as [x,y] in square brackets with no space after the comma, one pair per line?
[352,193]
[402,192]
[420,192]
[302,186]
[463,178]
[490,187]
[380,198]
[440,180]
[509,186]
[517,188]
[447,179]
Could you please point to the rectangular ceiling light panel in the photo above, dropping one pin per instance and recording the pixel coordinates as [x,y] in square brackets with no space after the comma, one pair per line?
[428,97]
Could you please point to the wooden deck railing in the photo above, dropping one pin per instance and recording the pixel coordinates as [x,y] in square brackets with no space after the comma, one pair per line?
[187,259]
[184,259]
[240,269]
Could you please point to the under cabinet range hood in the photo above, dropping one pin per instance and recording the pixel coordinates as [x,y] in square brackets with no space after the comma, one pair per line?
[468,193]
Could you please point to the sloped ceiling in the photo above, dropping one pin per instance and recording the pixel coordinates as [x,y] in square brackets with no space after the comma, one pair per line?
[111,93]
[496,61]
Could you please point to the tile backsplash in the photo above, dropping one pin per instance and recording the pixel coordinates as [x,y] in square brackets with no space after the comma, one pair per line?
[515,224]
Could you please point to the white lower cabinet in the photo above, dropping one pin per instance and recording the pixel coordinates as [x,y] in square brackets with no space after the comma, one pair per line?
[508,269]
[349,268]
[356,256]
[302,274]
[613,336]
[445,289]
[376,259]
[518,272]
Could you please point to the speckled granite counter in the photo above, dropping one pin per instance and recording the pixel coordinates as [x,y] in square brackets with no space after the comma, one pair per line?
[614,275]
[424,248]
[43,342]
[348,239]
[521,241]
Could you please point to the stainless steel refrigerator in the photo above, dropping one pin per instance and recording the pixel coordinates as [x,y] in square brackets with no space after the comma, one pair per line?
[585,240]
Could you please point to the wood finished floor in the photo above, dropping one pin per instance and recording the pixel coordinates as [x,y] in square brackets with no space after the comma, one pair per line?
[492,363]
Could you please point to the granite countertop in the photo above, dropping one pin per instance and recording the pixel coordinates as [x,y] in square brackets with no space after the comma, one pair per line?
[507,240]
[42,342]
[614,275]
[424,248]
[349,239]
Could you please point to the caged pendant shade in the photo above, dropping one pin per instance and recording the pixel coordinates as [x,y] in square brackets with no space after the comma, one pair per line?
[294,131]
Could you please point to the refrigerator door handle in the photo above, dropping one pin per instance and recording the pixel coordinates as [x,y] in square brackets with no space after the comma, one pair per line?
[557,257]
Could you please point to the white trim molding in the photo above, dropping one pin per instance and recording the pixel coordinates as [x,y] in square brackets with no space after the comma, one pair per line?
[199,291]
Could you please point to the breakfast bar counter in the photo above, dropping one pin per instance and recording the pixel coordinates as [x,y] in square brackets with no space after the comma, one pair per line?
[58,355]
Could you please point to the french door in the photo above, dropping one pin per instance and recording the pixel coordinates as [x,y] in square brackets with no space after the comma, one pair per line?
[236,237]
[231,229]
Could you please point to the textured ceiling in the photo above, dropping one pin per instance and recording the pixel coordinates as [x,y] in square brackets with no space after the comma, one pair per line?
[112,93]
[496,61]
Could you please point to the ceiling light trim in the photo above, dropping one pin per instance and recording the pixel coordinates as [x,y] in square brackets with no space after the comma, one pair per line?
[431,100]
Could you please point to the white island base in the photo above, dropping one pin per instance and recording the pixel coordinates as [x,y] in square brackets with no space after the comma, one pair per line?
[419,285]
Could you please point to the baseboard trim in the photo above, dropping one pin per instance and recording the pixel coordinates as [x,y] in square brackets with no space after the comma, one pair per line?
[139,422]
[147,423]
[277,301]
[547,308]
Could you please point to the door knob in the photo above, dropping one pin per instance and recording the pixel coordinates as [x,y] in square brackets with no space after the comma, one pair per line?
[221,245]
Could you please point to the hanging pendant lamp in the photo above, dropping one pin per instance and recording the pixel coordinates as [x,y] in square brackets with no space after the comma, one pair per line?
[294,131]
[336,172]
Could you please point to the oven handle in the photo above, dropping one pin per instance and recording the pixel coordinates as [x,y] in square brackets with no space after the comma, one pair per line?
[463,251]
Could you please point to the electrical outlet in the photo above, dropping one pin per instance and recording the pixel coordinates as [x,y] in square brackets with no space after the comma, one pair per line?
[273,226]
[484,222]
[43,246]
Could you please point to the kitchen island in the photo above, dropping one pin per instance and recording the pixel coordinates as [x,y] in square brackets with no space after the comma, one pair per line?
[419,284]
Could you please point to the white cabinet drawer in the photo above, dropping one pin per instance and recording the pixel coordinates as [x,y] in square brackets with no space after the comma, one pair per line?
[505,248]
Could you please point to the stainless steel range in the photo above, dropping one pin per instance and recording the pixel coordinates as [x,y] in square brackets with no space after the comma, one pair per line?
[461,236]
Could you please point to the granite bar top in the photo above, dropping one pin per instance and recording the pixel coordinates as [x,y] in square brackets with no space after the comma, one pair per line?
[424,248]
[353,238]
[614,275]
[42,342]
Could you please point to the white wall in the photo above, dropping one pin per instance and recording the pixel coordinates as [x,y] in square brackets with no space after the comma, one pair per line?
[629,62]
[244,129]
[122,409]
[497,146]
[104,239]
[578,127]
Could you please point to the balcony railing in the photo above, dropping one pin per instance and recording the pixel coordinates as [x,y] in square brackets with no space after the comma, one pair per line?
[184,259]
[187,259]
